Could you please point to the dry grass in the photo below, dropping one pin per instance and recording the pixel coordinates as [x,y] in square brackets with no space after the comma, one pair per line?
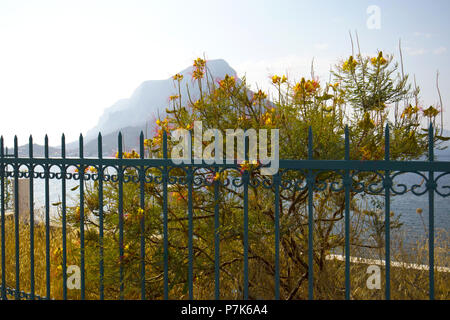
[406,283]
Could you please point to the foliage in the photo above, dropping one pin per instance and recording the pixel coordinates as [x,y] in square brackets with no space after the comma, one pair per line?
[363,92]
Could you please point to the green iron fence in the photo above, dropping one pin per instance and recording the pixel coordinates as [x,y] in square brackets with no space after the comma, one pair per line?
[431,171]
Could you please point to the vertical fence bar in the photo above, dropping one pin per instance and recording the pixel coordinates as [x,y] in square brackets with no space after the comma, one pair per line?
[142,220]
[276,183]
[31,191]
[100,215]
[81,172]
[431,188]
[121,249]
[16,218]
[47,219]
[190,222]
[387,216]
[347,185]
[64,218]
[216,237]
[246,181]
[310,219]
[165,219]
[2,200]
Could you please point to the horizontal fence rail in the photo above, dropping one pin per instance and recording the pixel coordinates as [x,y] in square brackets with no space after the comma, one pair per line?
[162,174]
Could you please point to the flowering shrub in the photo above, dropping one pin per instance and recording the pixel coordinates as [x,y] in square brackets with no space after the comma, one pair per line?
[362,93]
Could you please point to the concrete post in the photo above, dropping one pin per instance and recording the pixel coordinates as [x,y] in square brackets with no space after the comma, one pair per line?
[24,199]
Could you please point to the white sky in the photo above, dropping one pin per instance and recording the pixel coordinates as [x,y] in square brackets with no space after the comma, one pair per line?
[63,62]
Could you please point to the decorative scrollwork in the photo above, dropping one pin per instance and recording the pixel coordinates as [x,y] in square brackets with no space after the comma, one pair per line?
[442,194]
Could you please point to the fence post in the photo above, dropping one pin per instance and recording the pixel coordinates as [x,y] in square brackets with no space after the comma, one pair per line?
[81,173]
[121,249]
[24,198]
[100,213]
[310,183]
[190,181]
[276,182]
[31,200]
[387,216]
[347,186]
[16,219]
[2,200]
[431,185]
[64,222]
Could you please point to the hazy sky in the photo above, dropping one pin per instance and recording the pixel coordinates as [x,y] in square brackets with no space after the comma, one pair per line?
[63,62]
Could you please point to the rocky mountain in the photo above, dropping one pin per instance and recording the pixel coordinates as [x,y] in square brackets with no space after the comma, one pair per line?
[140,111]
[150,98]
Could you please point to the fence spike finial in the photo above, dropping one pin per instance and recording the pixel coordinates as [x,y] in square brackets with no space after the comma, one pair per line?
[386,142]
[16,146]
[30,146]
[46,146]
[310,143]
[347,143]
[430,142]
[141,145]
[63,145]
[119,142]
[81,145]
[100,145]
[165,144]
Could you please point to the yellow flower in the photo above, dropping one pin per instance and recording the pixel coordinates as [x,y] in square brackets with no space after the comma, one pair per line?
[174,97]
[260,95]
[298,87]
[198,74]
[268,121]
[199,63]
[227,83]
[197,104]
[430,112]
[283,79]
[158,122]
[350,64]
[378,60]
[177,77]
[276,79]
